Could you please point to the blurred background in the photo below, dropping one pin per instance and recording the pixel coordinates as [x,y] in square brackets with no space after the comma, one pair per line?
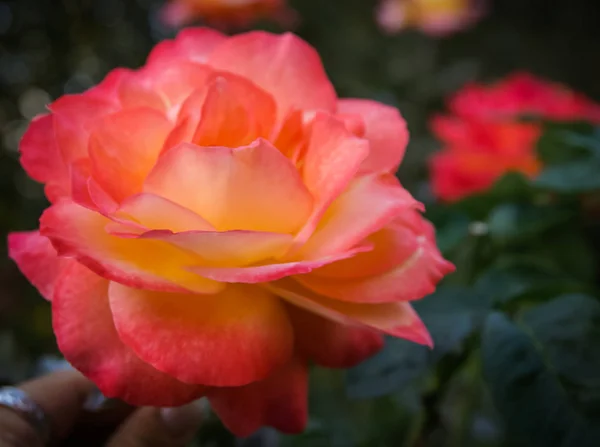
[406,396]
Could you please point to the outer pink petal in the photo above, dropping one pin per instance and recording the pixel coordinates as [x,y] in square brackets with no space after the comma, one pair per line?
[87,337]
[384,128]
[108,88]
[174,80]
[41,158]
[416,277]
[191,44]
[370,203]
[252,188]
[286,66]
[279,401]
[74,117]
[78,232]
[270,272]
[37,260]
[134,91]
[398,319]
[124,147]
[236,337]
[332,344]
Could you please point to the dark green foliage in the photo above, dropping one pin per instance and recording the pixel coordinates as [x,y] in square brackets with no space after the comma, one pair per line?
[525,382]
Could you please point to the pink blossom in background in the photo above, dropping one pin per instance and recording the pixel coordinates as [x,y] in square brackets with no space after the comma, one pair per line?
[434,17]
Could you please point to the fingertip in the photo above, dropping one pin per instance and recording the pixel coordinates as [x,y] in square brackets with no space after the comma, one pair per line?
[61,395]
[182,421]
[158,427]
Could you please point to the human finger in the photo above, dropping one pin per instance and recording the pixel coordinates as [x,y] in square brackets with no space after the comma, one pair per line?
[153,427]
[60,396]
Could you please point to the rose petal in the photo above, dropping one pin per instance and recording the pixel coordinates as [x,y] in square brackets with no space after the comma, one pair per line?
[233,338]
[270,272]
[385,129]
[192,44]
[37,259]
[41,158]
[78,232]
[370,203]
[107,89]
[87,338]
[390,248]
[398,319]
[86,191]
[157,213]
[285,66]
[414,277]
[80,174]
[124,147]
[279,401]
[290,138]
[235,248]
[332,344]
[74,117]
[251,188]
[134,92]
[174,81]
[332,159]
[234,114]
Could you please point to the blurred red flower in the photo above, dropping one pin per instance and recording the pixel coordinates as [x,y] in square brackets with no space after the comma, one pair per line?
[484,135]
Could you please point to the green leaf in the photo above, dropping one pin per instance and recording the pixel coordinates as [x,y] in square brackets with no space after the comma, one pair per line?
[564,142]
[569,251]
[396,366]
[451,314]
[512,279]
[513,222]
[336,420]
[571,178]
[590,141]
[568,328]
[511,187]
[451,230]
[527,391]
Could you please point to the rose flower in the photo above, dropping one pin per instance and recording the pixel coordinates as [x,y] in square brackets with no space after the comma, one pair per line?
[218,220]
[226,13]
[485,136]
[434,17]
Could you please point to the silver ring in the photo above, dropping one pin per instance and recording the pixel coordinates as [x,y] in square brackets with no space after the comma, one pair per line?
[19,401]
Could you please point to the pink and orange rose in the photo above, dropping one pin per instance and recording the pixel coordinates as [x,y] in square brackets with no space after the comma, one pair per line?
[484,136]
[218,220]
[226,13]
[434,17]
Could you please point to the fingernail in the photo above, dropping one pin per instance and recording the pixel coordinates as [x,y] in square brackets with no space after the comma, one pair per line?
[182,421]
[95,400]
